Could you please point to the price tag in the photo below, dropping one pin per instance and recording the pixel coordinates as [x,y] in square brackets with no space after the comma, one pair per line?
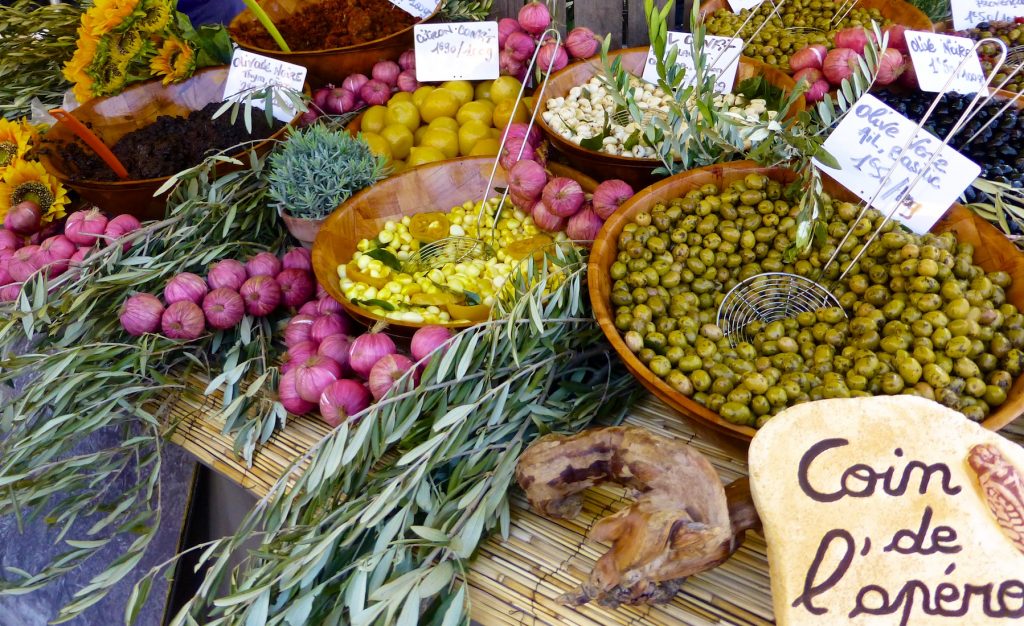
[722,53]
[251,72]
[970,13]
[936,57]
[416,8]
[741,5]
[869,141]
[456,51]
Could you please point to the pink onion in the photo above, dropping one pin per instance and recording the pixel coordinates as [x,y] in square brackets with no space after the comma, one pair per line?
[407,81]
[5,276]
[229,274]
[51,229]
[584,226]
[10,293]
[552,55]
[141,314]
[320,291]
[609,196]
[407,60]
[854,38]
[810,74]
[340,101]
[839,64]
[427,339]
[534,17]
[183,320]
[563,196]
[367,349]
[375,92]
[85,227]
[817,91]
[309,309]
[23,263]
[354,82]
[120,226]
[261,294]
[185,286]
[56,251]
[508,65]
[336,348]
[328,305]
[526,179]
[890,66]
[79,256]
[298,329]
[308,117]
[320,97]
[313,375]
[386,372]
[507,26]
[342,399]
[223,308]
[545,219]
[289,395]
[908,78]
[297,287]
[8,240]
[520,46]
[327,325]
[812,56]
[524,204]
[23,218]
[510,153]
[519,129]
[582,43]
[897,37]
[300,352]
[263,264]
[386,72]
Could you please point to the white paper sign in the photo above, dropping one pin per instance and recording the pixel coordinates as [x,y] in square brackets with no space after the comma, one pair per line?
[936,57]
[870,140]
[722,53]
[416,8]
[456,51]
[970,13]
[251,72]
[740,5]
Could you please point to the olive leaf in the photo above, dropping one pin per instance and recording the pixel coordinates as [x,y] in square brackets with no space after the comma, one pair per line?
[384,304]
[386,257]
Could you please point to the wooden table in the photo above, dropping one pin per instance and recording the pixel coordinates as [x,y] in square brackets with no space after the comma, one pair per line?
[517,582]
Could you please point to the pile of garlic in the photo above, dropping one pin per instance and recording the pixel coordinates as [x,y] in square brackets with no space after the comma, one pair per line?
[584,112]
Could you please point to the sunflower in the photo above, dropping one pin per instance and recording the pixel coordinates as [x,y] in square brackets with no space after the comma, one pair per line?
[108,15]
[15,138]
[174,61]
[125,46]
[112,79]
[83,57]
[156,17]
[29,180]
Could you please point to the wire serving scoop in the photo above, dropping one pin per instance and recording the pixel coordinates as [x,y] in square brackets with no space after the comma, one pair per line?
[774,296]
[460,248]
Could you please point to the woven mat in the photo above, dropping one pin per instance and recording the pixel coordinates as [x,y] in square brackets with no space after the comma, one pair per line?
[517,582]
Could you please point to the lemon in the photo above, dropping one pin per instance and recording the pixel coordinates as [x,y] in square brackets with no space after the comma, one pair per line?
[505,88]
[486,147]
[423,154]
[447,123]
[378,145]
[421,94]
[417,135]
[496,133]
[404,113]
[504,115]
[373,119]
[447,141]
[470,134]
[400,96]
[478,110]
[398,166]
[439,103]
[483,90]
[463,89]
[400,138]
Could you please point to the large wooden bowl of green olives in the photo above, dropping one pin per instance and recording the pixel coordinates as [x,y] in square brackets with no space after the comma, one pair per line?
[936,315]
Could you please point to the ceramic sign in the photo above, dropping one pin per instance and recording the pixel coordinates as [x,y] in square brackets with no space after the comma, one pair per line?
[937,57]
[873,140]
[722,53]
[252,72]
[456,51]
[889,510]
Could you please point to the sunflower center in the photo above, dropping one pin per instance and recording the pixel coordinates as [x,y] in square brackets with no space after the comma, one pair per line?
[34,191]
[157,16]
[7,152]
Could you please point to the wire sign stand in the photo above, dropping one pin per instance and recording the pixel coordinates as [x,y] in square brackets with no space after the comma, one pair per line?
[768,297]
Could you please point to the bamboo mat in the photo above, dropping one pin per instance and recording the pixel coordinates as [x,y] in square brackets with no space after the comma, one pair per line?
[517,582]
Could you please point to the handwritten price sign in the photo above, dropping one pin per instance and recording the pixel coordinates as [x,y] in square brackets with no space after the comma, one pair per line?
[456,51]
[251,72]
[937,57]
[722,54]
[741,5]
[869,142]
[416,8]
[970,13]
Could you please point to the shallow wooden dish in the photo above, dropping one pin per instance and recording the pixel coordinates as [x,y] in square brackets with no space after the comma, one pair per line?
[429,187]
[335,64]
[636,172]
[992,252]
[897,11]
[137,107]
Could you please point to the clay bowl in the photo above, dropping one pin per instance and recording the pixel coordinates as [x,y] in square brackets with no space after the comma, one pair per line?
[992,252]
[636,172]
[335,64]
[137,107]
[429,187]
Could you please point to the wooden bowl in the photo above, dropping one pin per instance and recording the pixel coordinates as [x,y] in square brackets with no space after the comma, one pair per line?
[137,107]
[636,172]
[896,11]
[993,251]
[335,64]
[429,187]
